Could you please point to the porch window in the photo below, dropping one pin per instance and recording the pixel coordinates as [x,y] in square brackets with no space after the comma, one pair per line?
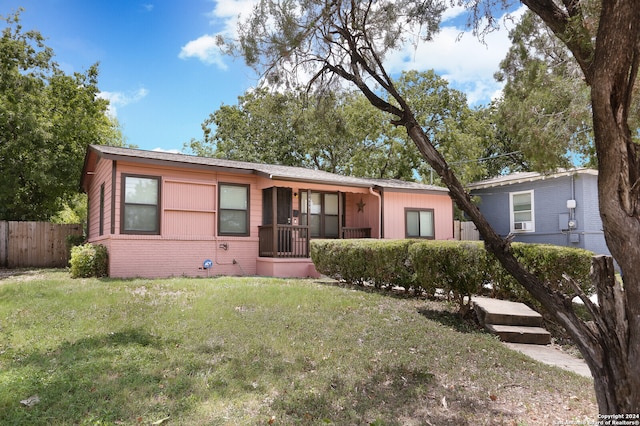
[521,211]
[419,223]
[233,211]
[324,213]
[140,205]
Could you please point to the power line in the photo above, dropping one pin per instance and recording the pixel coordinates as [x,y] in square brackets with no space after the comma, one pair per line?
[477,160]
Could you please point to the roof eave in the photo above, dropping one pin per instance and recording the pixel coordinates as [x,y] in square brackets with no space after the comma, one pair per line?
[515,181]
[434,191]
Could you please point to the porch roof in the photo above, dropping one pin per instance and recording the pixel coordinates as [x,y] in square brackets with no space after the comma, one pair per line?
[271,171]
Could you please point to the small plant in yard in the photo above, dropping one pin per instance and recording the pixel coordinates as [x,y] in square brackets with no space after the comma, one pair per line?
[247,351]
[88,260]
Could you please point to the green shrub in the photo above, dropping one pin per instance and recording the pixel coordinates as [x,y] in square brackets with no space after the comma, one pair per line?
[548,263]
[388,263]
[381,262]
[339,259]
[89,260]
[459,268]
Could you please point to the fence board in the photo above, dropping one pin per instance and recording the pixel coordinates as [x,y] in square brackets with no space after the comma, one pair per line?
[465,231]
[35,244]
[4,239]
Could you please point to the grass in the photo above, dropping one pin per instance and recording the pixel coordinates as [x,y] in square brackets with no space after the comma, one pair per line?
[246,351]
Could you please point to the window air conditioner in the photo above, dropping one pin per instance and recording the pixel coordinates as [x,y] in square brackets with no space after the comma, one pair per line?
[523,226]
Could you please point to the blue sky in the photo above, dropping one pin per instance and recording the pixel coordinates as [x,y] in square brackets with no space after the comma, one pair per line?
[163,76]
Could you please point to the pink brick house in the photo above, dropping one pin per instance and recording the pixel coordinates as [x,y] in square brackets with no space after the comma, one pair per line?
[162,214]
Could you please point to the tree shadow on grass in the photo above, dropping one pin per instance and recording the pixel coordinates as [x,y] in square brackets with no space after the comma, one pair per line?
[463,324]
[387,290]
[11,273]
[391,395]
[433,310]
[98,379]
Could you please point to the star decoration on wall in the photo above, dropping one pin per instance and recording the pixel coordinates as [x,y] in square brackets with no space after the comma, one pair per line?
[360,205]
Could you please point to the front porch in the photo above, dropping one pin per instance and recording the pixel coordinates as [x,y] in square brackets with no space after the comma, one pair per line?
[292,241]
[291,217]
[284,250]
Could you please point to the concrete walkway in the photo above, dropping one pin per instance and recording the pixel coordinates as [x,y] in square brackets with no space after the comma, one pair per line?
[523,333]
[547,354]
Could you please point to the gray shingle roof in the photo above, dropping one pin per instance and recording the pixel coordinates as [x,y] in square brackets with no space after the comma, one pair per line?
[271,171]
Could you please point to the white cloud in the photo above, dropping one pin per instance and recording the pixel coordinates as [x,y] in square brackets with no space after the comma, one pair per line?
[460,58]
[148,7]
[452,13]
[454,53]
[229,10]
[204,48]
[121,99]
[225,16]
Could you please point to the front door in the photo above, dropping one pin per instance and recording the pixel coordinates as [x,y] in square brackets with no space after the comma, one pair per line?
[283,201]
[284,206]
[284,218]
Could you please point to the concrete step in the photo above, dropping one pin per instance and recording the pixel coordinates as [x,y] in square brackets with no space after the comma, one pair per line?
[504,312]
[519,334]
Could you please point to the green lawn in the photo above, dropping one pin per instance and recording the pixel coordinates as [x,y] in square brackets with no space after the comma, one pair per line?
[245,351]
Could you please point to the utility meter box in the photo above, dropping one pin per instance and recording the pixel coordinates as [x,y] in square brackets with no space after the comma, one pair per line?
[563,221]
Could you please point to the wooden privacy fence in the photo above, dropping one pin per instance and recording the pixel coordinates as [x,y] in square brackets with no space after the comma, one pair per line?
[465,231]
[35,244]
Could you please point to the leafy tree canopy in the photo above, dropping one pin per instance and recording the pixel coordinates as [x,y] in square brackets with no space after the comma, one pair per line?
[341,132]
[545,109]
[546,105]
[47,119]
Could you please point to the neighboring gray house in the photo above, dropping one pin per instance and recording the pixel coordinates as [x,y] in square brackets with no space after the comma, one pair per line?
[558,208]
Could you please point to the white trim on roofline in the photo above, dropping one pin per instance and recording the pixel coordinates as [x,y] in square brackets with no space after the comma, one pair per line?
[524,177]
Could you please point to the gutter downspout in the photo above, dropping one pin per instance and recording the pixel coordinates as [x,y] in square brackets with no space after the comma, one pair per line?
[379,197]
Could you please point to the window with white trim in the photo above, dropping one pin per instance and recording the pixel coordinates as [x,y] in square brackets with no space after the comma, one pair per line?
[521,211]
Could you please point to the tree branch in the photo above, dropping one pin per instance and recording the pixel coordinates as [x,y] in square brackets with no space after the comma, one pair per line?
[568,25]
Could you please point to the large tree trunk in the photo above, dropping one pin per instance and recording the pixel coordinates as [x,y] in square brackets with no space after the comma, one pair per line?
[615,69]
[610,343]
[603,343]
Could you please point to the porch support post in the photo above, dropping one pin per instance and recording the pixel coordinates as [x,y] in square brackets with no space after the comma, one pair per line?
[308,210]
[274,221]
[340,214]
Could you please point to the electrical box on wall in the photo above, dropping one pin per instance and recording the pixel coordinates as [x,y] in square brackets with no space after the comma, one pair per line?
[563,221]
[571,204]
[574,238]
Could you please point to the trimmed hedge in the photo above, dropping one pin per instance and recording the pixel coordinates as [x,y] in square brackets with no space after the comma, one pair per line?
[358,261]
[548,263]
[89,260]
[459,268]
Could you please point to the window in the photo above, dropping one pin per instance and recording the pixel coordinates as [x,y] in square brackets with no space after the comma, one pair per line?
[324,213]
[140,205]
[521,211]
[419,223]
[233,212]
